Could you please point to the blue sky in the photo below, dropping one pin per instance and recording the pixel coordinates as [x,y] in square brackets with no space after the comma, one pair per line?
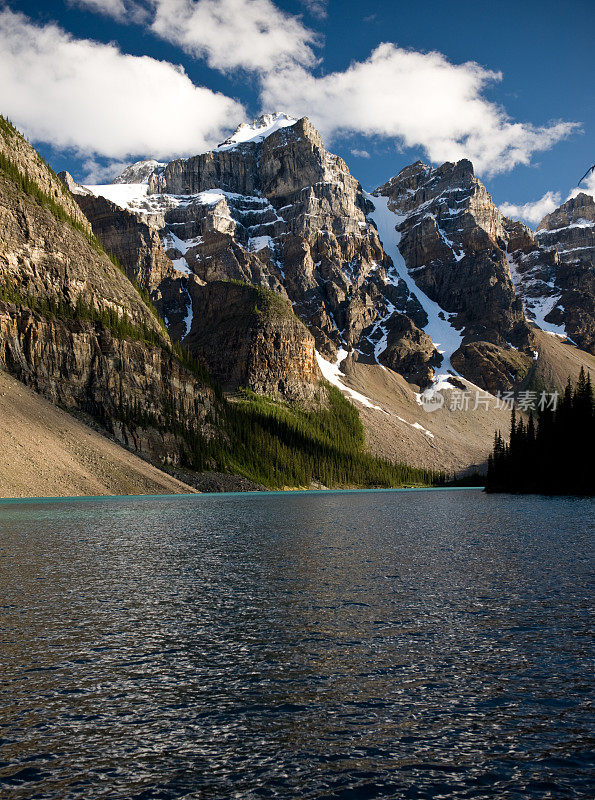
[505,83]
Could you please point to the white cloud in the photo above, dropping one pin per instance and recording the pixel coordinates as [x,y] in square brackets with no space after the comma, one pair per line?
[419,99]
[111,8]
[360,153]
[587,186]
[532,212]
[229,34]
[95,173]
[124,11]
[75,93]
[318,8]
[252,34]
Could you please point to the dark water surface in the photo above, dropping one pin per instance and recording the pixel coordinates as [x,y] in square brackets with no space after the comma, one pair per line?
[335,645]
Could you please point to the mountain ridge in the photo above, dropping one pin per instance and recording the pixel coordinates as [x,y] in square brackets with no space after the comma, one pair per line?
[341,309]
[269,263]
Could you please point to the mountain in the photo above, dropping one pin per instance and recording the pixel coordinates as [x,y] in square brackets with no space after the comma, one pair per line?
[424,276]
[271,267]
[74,328]
[421,277]
[139,172]
[77,327]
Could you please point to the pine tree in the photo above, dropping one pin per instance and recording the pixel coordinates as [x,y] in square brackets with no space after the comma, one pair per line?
[555,456]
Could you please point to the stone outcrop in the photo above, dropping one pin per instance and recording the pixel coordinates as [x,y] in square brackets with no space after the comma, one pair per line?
[72,186]
[139,172]
[570,230]
[490,366]
[48,258]
[251,338]
[453,240]
[554,270]
[82,367]
[15,147]
[135,245]
[270,352]
[409,350]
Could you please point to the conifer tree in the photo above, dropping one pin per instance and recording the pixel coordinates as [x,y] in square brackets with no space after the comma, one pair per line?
[554,455]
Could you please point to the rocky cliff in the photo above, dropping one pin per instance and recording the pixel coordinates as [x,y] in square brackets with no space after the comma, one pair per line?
[279,211]
[135,245]
[251,338]
[421,276]
[74,328]
[273,208]
[28,162]
[425,275]
[570,230]
[243,336]
[453,242]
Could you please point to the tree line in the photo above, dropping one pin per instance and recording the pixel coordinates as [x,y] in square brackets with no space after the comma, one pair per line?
[552,452]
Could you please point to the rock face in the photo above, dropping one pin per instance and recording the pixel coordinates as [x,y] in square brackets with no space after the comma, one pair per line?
[271,207]
[139,172]
[409,350]
[554,271]
[72,186]
[14,146]
[133,243]
[426,275]
[82,367]
[451,234]
[570,230]
[453,241]
[280,211]
[47,258]
[570,233]
[74,328]
[138,248]
[251,338]
[269,351]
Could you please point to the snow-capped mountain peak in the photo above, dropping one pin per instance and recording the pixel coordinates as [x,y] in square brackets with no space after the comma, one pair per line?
[139,172]
[257,130]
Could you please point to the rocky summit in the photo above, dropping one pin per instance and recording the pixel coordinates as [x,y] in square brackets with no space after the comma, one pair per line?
[424,275]
[273,270]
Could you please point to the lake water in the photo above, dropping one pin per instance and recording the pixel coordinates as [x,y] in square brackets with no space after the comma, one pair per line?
[411,644]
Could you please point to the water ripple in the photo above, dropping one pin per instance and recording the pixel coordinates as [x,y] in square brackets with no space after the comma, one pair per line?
[374,645]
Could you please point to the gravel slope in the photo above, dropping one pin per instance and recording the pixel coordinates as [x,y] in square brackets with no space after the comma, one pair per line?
[45,452]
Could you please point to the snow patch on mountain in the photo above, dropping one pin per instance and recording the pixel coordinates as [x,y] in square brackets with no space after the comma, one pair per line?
[133,197]
[538,308]
[139,172]
[124,195]
[445,337]
[189,313]
[258,130]
[257,243]
[538,300]
[332,373]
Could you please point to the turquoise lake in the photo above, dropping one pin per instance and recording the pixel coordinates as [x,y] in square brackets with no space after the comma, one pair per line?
[352,645]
